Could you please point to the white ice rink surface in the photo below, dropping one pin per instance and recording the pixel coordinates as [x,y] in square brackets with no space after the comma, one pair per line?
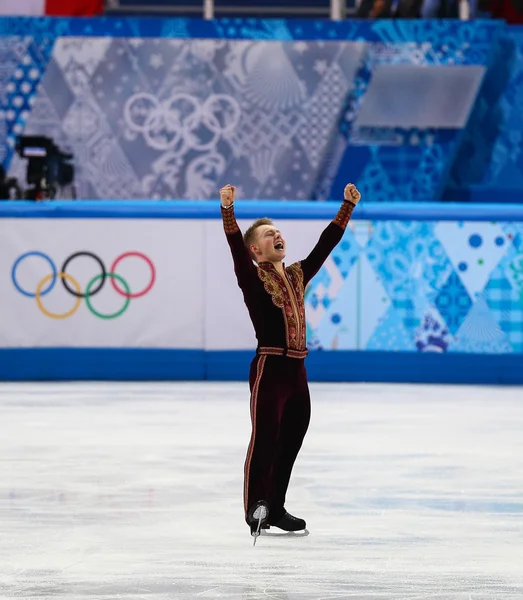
[134,491]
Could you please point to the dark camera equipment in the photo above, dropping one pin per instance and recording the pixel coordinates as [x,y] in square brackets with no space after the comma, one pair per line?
[9,188]
[48,170]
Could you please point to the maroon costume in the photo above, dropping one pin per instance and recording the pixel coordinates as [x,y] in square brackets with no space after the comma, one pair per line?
[280,401]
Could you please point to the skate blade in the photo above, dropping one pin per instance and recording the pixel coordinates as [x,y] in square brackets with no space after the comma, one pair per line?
[261,516]
[261,513]
[256,534]
[280,533]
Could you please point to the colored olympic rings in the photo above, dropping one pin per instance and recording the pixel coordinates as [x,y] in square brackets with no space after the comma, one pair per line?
[146,289]
[70,283]
[20,259]
[100,264]
[63,277]
[113,276]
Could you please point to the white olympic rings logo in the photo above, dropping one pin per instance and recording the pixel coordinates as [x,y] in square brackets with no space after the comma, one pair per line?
[180,121]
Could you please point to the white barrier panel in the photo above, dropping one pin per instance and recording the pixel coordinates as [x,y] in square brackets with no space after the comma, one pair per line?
[152,294]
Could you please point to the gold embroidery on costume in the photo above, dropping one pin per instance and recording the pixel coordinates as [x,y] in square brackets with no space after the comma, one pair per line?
[343,217]
[272,286]
[295,275]
[229,221]
[263,350]
[287,293]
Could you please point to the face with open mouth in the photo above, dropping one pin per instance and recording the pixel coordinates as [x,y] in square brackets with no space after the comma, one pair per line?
[269,245]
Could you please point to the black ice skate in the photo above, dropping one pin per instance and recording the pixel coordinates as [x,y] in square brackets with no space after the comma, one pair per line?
[257,518]
[289,523]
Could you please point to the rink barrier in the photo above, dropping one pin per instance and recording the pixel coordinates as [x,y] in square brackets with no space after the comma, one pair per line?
[252,209]
[143,364]
[134,364]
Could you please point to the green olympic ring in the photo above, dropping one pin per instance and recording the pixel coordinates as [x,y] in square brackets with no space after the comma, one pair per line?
[127,297]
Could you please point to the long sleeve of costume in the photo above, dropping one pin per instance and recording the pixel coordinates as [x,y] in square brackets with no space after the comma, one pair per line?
[243,265]
[329,239]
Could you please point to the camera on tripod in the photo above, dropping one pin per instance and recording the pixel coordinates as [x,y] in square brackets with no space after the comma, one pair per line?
[49,170]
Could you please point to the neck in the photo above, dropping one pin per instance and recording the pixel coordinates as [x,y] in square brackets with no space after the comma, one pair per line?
[278,265]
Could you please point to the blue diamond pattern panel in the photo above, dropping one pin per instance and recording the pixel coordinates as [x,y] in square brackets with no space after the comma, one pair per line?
[391,334]
[398,290]
[514,232]
[480,332]
[453,302]
[506,305]
[401,291]
[346,253]
[412,264]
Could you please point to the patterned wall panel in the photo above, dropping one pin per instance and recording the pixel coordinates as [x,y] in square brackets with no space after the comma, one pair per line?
[174,108]
[421,286]
[490,158]
[172,118]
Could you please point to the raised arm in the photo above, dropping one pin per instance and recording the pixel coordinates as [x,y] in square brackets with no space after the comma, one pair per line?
[243,265]
[331,235]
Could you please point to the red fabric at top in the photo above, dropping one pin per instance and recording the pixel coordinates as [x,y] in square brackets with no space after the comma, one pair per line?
[73,8]
[507,10]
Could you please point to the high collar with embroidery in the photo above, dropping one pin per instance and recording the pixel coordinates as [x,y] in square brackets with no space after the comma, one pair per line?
[267,265]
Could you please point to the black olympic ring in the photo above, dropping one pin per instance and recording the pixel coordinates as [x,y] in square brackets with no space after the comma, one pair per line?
[99,286]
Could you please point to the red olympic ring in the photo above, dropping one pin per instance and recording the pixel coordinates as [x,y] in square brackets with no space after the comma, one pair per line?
[151,266]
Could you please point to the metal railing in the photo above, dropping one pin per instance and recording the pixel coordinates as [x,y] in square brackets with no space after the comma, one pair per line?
[337,9]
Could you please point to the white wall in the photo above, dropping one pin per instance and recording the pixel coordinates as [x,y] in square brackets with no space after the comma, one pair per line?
[194,303]
[169,316]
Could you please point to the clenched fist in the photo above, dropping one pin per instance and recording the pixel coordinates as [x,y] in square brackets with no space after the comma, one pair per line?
[351,193]
[227,194]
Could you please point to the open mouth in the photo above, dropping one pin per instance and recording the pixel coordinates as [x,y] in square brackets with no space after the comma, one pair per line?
[278,246]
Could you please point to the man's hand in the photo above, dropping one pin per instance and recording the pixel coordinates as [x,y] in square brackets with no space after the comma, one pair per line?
[227,194]
[351,193]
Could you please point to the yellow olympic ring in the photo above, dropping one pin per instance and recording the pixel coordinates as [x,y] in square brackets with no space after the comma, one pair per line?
[41,285]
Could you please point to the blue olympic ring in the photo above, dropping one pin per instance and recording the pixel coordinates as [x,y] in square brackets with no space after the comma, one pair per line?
[53,268]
